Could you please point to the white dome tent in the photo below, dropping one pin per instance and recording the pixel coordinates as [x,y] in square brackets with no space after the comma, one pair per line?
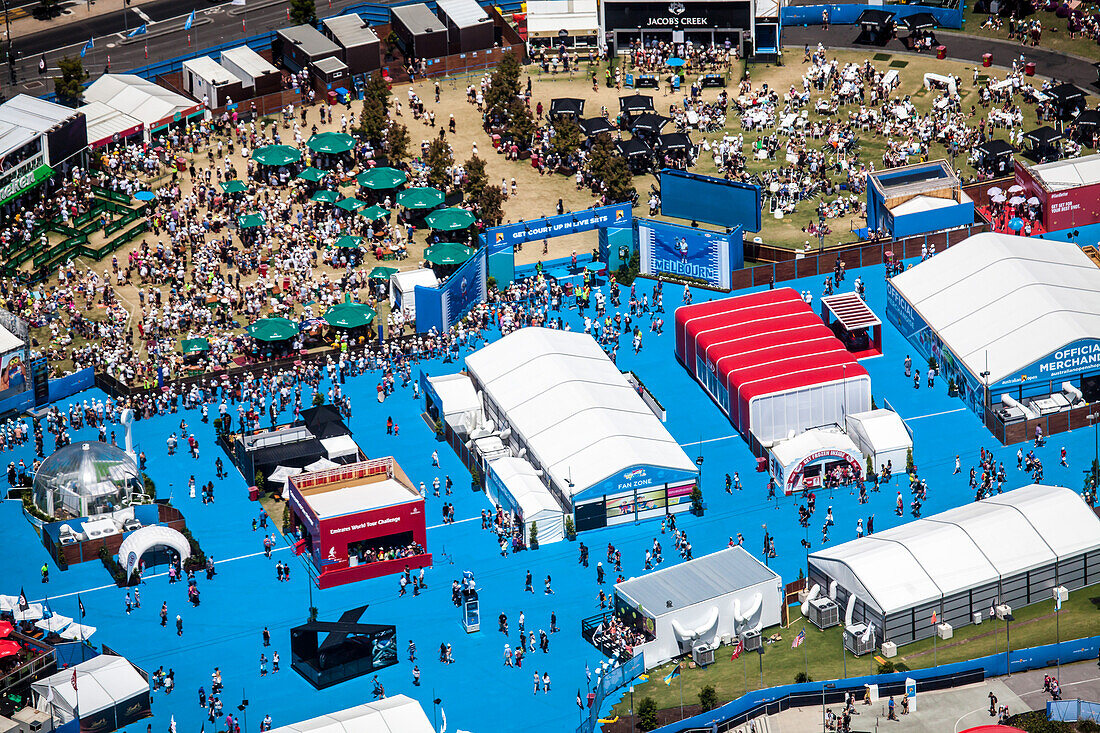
[141,541]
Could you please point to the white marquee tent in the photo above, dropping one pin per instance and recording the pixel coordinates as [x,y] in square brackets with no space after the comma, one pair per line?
[396,714]
[512,482]
[102,682]
[1012,549]
[882,435]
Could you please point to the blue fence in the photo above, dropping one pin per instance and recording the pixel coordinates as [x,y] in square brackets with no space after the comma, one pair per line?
[1070,711]
[777,699]
[59,389]
[606,684]
[847,14]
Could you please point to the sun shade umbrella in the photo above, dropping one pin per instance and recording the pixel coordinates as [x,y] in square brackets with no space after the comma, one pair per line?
[144,195]
[350,204]
[381,273]
[649,123]
[420,197]
[325,197]
[450,220]
[311,174]
[272,329]
[595,126]
[5,629]
[381,179]
[194,346]
[373,213]
[448,254]
[331,142]
[349,315]
[249,221]
[9,648]
[276,155]
[675,62]
[348,241]
[234,186]
[993,191]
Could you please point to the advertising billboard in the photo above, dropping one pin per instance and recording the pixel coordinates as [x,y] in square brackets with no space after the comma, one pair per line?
[339,532]
[508,236]
[443,306]
[13,374]
[711,200]
[685,253]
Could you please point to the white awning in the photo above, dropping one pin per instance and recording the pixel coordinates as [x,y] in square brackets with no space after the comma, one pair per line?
[339,446]
[102,682]
[575,17]
[282,473]
[54,624]
[396,714]
[77,632]
[321,464]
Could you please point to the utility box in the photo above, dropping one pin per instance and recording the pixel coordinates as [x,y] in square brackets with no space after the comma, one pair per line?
[978,618]
[1003,611]
[824,613]
[889,649]
[944,631]
[752,640]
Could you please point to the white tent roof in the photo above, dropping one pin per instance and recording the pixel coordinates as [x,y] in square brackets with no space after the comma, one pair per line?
[321,464]
[966,547]
[795,449]
[578,416]
[883,429]
[359,498]
[1018,299]
[137,97]
[339,445]
[102,682]
[525,486]
[210,71]
[396,714]
[77,632]
[9,341]
[104,121]
[456,392]
[463,13]
[23,118]
[1070,173]
[547,17]
[922,203]
[248,61]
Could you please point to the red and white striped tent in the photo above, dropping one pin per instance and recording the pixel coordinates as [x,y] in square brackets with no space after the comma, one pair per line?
[771,364]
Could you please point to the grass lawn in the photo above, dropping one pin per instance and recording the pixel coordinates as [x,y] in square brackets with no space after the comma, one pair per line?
[821,653]
[1055,37]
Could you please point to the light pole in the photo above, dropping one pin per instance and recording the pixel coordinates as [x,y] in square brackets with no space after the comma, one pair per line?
[632,707]
[1096,446]
[826,686]
[1009,618]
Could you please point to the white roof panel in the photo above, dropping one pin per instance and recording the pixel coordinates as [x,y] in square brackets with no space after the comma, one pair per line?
[463,13]
[210,71]
[395,714]
[359,498]
[1069,173]
[550,16]
[248,61]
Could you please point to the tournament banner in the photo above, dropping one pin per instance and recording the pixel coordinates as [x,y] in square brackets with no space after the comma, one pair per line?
[444,306]
[686,253]
[508,236]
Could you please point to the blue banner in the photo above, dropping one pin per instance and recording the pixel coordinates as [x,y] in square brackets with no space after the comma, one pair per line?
[442,307]
[699,255]
[508,236]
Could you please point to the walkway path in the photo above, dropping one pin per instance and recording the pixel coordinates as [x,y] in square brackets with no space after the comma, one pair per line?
[961,47]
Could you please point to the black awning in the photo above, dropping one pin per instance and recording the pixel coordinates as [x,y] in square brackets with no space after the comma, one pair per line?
[633,148]
[674,141]
[1043,136]
[567,106]
[636,103]
[1065,94]
[995,148]
[649,123]
[595,126]
[920,22]
[871,19]
[1087,118]
[293,455]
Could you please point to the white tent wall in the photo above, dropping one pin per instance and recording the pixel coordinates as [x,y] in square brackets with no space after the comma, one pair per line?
[880,434]
[403,288]
[773,416]
[513,484]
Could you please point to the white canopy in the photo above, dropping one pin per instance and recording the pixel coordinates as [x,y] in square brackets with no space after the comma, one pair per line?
[33,612]
[321,464]
[880,434]
[397,714]
[576,17]
[77,632]
[140,541]
[7,603]
[282,473]
[137,97]
[966,547]
[105,121]
[573,409]
[1069,173]
[1017,299]
[54,624]
[457,394]
[339,446]
[533,498]
[102,683]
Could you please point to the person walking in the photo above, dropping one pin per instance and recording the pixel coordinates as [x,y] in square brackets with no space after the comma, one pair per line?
[267,637]
[179,625]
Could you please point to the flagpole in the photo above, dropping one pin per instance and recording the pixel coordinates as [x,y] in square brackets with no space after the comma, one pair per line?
[681,676]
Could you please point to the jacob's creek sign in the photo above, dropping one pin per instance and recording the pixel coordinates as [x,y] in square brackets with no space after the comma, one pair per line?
[23,176]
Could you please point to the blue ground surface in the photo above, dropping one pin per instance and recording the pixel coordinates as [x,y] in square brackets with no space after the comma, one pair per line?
[478,693]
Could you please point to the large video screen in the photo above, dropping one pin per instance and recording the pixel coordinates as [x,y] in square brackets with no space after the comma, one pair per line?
[686,253]
[710,200]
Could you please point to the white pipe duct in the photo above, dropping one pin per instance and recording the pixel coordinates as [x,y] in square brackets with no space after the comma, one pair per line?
[815,590]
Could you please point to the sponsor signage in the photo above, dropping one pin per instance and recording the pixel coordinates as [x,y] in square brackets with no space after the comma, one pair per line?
[676,15]
[508,236]
[27,174]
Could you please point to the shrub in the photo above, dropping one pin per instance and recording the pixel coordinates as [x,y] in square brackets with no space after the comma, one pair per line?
[802,678]
[909,465]
[697,499]
[114,567]
[318,399]
[570,528]
[1088,726]
[475,478]
[286,520]
[197,561]
[708,698]
[647,714]
[150,487]
[533,542]
[887,667]
[260,481]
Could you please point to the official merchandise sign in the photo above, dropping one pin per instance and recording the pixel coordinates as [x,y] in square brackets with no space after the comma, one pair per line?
[1080,356]
[685,253]
[508,236]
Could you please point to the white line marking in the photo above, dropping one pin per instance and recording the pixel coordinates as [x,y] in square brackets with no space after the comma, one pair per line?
[935,414]
[709,440]
[460,521]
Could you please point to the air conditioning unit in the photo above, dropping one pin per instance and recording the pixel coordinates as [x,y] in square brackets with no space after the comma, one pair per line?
[978,617]
[824,613]
[1003,610]
[751,640]
[944,631]
[702,653]
[889,649]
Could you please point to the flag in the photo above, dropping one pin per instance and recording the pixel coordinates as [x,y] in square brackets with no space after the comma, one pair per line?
[80,605]
[443,714]
[137,31]
[49,696]
[87,47]
[579,703]
[47,612]
[74,679]
[672,675]
[1057,600]
[933,618]
[587,672]
[740,647]
[190,20]
[992,612]
[23,605]
[799,639]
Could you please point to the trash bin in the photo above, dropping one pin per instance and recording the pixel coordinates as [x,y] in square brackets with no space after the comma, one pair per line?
[987,60]
[181,164]
[332,96]
[253,493]
[1029,68]
[941,52]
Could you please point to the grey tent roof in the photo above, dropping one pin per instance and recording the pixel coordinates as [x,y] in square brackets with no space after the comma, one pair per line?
[350,30]
[418,18]
[695,581]
[309,39]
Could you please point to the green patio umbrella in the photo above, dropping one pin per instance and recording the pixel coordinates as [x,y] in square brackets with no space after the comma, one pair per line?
[450,220]
[421,197]
[350,204]
[373,213]
[380,179]
[194,346]
[448,254]
[331,142]
[381,273]
[234,186]
[311,174]
[248,221]
[276,155]
[348,241]
[272,329]
[325,197]
[349,315]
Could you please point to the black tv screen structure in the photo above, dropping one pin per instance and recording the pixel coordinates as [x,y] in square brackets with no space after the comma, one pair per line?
[348,650]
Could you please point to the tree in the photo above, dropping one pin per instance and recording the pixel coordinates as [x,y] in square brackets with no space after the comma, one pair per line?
[567,136]
[503,85]
[521,124]
[606,165]
[490,205]
[318,398]
[533,536]
[372,121]
[647,714]
[397,142]
[697,499]
[439,158]
[476,177]
[802,678]
[708,698]
[69,87]
[909,465]
[378,88]
[570,528]
[48,7]
[303,12]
